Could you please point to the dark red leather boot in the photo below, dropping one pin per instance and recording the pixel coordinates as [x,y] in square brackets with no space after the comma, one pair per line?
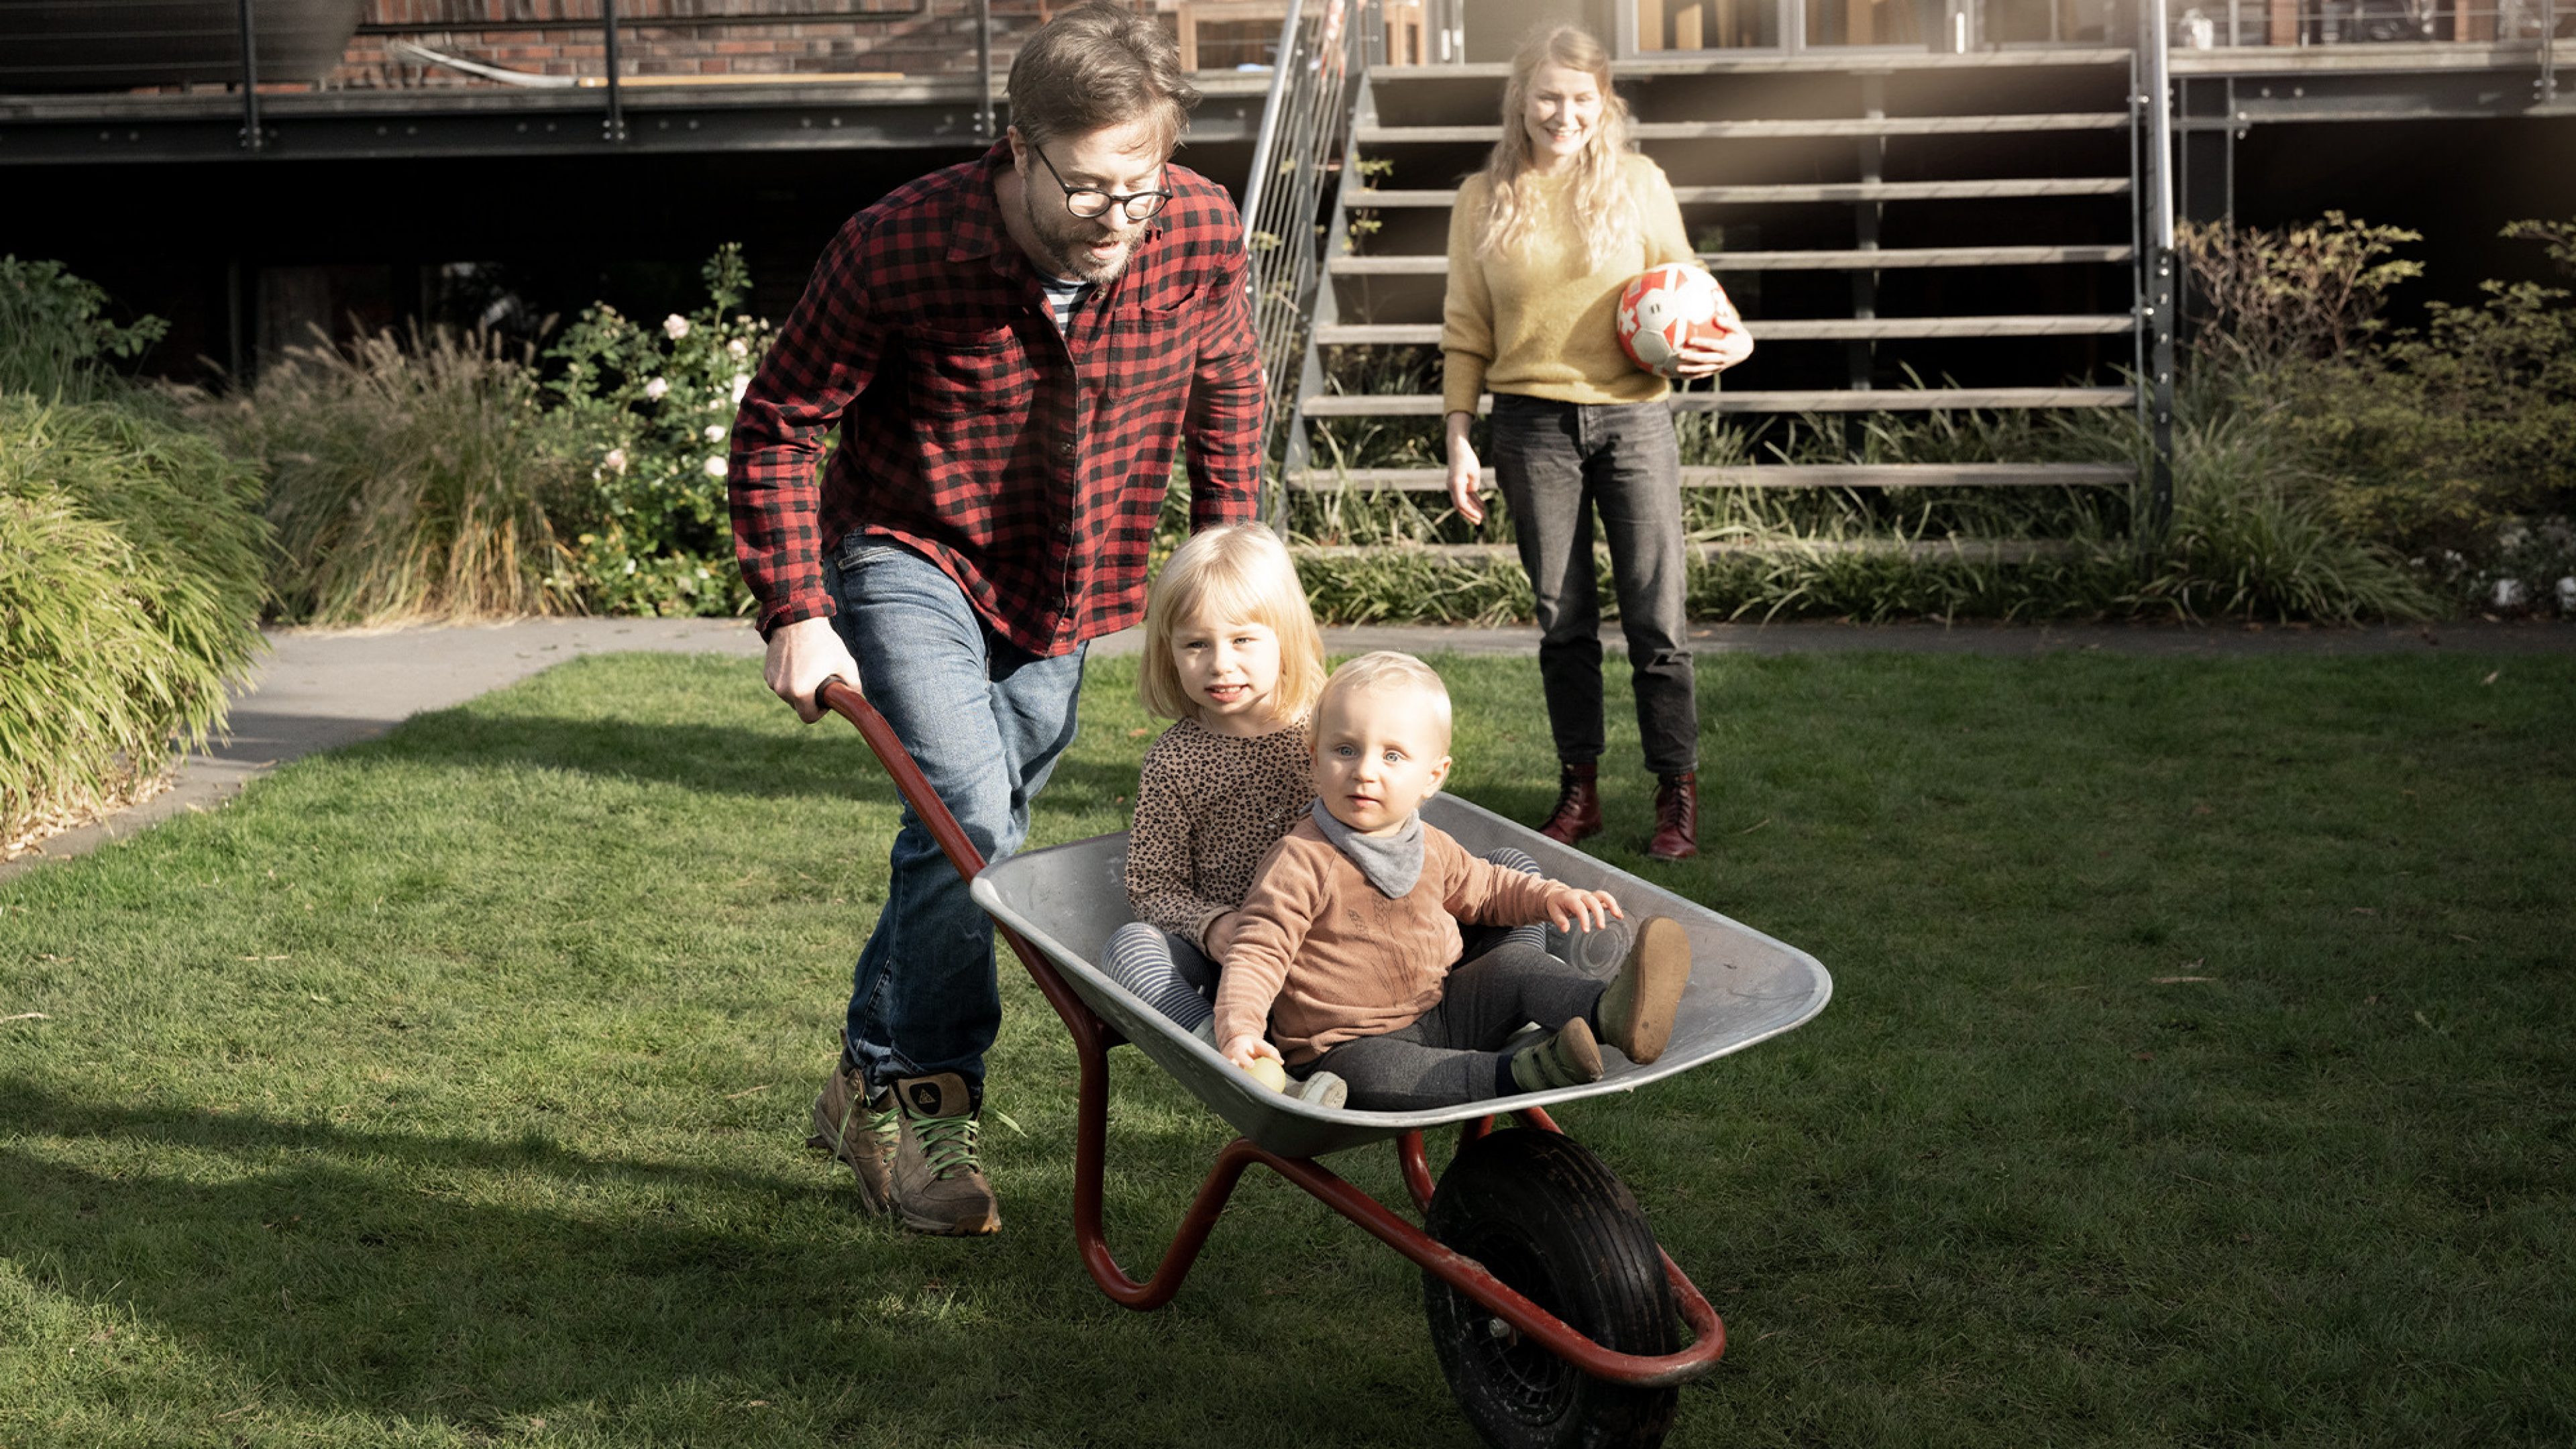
[1676,817]
[1578,805]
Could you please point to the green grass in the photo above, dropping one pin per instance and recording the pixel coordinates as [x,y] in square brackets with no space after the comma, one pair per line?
[446,1090]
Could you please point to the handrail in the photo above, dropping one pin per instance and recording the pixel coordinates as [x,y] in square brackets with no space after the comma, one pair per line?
[1324,49]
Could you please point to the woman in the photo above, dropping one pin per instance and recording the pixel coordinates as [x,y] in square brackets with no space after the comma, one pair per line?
[1540,246]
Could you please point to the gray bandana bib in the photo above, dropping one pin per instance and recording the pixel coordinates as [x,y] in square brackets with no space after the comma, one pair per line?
[1391,863]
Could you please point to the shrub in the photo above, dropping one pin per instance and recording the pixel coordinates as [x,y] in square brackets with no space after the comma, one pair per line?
[2312,290]
[649,408]
[410,476]
[54,336]
[131,553]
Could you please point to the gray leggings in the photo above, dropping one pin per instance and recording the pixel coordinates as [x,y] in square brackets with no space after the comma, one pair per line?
[1177,979]
[1451,1053]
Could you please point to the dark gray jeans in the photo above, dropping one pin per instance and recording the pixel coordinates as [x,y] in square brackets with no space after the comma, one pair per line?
[1452,1053]
[1557,462]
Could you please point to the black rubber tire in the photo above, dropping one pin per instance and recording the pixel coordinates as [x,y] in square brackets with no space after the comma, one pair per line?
[1548,1218]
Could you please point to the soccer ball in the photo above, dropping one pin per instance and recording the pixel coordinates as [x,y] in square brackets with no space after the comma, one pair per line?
[1667,308]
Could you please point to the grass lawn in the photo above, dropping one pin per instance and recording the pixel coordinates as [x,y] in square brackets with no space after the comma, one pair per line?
[2198,1073]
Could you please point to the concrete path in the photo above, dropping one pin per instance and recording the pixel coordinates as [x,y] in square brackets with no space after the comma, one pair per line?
[317,690]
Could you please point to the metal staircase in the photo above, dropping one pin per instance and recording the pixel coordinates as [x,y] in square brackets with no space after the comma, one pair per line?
[1880,220]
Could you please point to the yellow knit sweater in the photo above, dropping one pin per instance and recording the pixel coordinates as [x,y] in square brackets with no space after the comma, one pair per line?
[1538,321]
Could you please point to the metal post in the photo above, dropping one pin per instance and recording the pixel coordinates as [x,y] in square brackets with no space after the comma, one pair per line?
[1861,355]
[2548,51]
[1281,64]
[984,67]
[250,133]
[2159,263]
[614,126]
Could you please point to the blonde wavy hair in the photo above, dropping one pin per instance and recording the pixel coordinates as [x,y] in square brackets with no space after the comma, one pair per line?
[1597,190]
[1240,571]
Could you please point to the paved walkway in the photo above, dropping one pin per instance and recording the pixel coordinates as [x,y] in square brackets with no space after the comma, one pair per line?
[317,690]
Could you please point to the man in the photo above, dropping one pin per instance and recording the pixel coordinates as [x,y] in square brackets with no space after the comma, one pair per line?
[1011,349]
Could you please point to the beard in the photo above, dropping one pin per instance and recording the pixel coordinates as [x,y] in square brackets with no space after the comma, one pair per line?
[1067,240]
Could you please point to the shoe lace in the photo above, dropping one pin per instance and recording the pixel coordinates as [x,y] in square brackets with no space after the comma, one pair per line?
[947,1144]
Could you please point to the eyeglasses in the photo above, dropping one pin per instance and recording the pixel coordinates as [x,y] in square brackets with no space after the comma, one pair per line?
[1091,201]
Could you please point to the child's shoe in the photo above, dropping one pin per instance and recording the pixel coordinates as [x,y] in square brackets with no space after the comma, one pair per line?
[1324,1089]
[1570,1058]
[1637,1007]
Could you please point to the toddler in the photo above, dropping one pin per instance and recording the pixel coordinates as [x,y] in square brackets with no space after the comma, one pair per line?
[1343,947]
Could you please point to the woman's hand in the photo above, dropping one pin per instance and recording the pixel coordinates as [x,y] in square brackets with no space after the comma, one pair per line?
[1707,355]
[1243,1050]
[1465,473]
[1568,908]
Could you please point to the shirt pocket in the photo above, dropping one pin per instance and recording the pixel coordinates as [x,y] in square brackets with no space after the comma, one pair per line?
[966,374]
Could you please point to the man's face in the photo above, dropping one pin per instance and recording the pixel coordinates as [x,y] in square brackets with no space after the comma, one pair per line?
[1120,160]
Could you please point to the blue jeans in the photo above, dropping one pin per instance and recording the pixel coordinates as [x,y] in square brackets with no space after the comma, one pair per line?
[985,720]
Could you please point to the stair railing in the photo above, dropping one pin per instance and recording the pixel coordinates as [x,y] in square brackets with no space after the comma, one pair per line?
[1324,49]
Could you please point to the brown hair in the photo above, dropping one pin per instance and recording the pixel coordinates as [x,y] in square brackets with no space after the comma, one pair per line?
[1097,65]
[1597,191]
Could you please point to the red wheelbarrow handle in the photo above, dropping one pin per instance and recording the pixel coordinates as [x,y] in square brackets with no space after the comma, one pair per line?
[1092,1040]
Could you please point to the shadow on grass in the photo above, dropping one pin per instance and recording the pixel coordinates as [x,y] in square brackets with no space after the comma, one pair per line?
[407,1276]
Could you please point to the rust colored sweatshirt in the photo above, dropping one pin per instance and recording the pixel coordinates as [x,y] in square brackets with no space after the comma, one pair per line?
[1323,957]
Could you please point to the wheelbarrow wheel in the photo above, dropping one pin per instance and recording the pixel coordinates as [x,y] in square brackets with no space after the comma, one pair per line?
[1549,1219]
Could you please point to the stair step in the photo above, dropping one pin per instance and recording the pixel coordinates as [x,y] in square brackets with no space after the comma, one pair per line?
[1776,475]
[1872,260]
[1828,400]
[1814,329]
[1820,127]
[1965,550]
[1708,63]
[1838,191]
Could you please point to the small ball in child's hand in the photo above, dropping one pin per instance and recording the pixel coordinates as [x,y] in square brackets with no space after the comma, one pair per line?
[1269,1073]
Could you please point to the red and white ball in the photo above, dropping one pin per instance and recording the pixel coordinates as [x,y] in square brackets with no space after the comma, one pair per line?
[1666,309]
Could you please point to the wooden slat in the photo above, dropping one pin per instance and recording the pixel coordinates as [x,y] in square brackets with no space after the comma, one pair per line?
[1879,259]
[1834,191]
[1965,550]
[1893,400]
[1832,126]
[1792,329]
[1777,475]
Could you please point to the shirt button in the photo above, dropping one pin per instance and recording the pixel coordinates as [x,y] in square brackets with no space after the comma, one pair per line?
[1064,450]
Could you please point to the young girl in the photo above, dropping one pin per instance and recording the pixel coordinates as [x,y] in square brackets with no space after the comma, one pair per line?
[1233,656]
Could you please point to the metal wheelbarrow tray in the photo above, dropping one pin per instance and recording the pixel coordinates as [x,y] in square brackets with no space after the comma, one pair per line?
[1535,1195]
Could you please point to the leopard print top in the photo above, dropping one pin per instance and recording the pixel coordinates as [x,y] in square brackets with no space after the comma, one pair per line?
[1208,807]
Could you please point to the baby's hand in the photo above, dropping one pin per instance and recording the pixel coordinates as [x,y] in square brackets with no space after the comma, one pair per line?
[1241,1050]
[1569,908]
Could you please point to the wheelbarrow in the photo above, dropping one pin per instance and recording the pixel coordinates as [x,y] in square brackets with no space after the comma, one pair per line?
[1552,1309]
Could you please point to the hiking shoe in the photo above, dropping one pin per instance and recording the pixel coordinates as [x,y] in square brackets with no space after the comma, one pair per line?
[860,1132]
[1637,1007]
[939,1184]
[1569,1058]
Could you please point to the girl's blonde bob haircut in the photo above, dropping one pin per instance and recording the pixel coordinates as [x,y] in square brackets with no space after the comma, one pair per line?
[1240,572]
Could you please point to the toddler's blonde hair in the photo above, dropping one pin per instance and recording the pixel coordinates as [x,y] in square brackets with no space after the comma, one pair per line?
[1390,672]
[1239,571]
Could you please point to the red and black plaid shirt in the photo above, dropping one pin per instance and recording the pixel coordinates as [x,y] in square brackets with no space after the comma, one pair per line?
[1030,464]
